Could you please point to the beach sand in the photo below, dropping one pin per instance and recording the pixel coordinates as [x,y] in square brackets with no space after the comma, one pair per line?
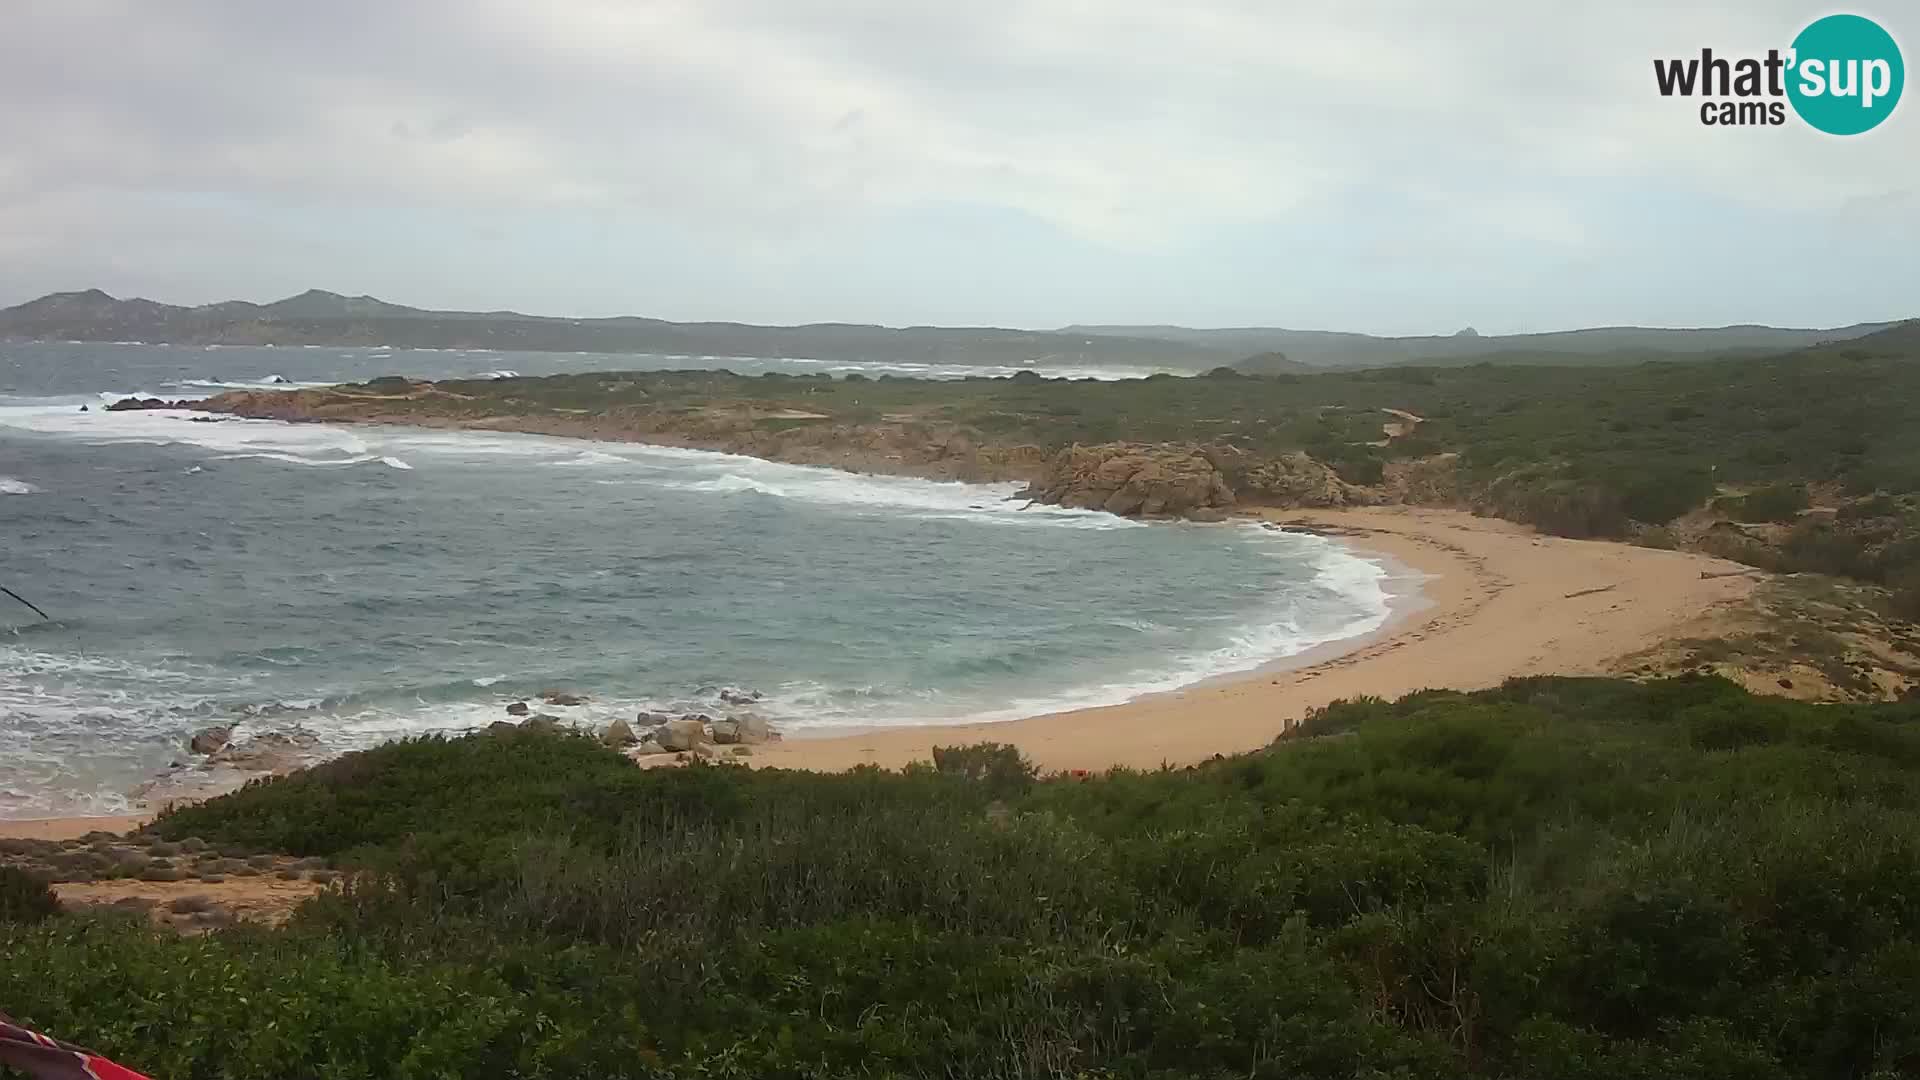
[1498,600]
[1501,600]
[68,828]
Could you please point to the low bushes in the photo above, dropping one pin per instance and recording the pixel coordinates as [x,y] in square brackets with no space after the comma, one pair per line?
[25,897]
[1560,877]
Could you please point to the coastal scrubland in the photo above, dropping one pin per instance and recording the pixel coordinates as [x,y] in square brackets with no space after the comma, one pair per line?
[1558,877]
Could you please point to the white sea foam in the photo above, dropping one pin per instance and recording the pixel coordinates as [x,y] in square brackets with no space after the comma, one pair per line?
[296,459]
[989,503]
[1349,596]
[83,728]
[592,457]
[697,471]
[61,710]
[908,369]
[11,486]
[19,663]
[293,444]
[274,381]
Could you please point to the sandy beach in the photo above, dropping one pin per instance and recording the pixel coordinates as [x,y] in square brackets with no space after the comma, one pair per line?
[1502,600]
[1498,600]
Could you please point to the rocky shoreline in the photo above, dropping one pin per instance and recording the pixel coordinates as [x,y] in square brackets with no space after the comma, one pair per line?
[221,757]
[1131,479]
[689,736]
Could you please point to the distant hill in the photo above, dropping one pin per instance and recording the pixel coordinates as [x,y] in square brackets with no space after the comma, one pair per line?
[1628,344]
[317,317]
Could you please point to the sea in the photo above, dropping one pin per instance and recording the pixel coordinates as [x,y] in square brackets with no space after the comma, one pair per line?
[363,584]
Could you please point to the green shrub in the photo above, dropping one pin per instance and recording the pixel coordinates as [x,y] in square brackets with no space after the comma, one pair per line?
[1878,505]
[998,766]
[451,804]
[25,897]
[1774,502]
[1658,495]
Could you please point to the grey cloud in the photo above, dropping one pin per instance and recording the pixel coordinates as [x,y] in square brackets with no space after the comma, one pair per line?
[772,126]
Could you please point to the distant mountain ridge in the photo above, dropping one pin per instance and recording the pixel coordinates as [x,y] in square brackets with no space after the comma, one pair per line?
[318,317]
[1333,348]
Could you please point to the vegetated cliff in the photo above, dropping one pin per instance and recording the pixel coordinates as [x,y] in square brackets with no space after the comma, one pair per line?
[1135,479]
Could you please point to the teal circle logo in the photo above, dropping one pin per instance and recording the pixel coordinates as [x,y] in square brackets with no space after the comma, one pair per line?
[1845,74]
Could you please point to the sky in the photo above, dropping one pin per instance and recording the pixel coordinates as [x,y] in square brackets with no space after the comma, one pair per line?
[1398,167]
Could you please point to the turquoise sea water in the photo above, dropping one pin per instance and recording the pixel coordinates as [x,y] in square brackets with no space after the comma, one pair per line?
[366,583]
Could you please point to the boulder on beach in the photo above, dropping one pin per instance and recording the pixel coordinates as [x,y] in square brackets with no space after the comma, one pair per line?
[274,752]
[683,734]
[648,747]
[502,727]
[211,740]
[543,723]
[518,708]
[618,734]
[562,697]
[740,697]
[650,719]
[741,728]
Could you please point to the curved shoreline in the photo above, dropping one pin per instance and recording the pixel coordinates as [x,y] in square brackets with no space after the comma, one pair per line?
[1501,601]
[1496,600]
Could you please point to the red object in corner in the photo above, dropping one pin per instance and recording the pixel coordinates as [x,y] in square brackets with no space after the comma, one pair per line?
[45,1058]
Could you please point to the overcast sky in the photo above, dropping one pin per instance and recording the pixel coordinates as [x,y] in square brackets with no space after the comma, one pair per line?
[1394,167]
